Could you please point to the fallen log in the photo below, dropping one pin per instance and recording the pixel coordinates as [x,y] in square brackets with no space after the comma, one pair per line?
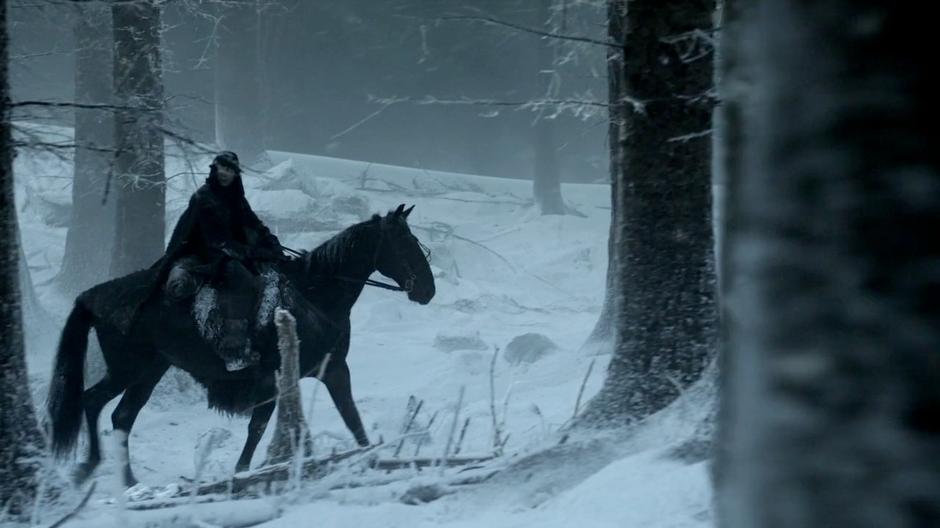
[316,468]
[310,468]
[419,463]
[233,514]
[472,474]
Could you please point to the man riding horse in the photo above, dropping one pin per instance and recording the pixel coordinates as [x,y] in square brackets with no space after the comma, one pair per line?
[220,241]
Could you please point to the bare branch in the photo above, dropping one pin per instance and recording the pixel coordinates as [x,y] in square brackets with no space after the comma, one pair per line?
[546,34]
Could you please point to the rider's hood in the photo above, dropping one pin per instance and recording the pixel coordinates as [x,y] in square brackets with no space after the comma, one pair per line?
[234,190]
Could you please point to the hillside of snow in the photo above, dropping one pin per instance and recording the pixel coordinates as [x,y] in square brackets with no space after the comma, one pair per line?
[502,271]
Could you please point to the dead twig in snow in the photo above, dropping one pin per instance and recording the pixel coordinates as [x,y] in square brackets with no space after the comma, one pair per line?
[291,433]
[463,432]
[497,440]
[407,428]
[427,432]
[469,241]
[577,402]
[453,426]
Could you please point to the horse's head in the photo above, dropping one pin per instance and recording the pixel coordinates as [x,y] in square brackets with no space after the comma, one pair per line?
[401,256]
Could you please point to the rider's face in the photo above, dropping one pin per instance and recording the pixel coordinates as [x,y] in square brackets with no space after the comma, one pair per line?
[225,174]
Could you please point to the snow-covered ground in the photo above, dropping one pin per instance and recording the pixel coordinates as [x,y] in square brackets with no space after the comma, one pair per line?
[502,270]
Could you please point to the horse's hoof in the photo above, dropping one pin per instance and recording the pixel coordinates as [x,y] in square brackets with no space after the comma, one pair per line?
[129,479]
[241,467]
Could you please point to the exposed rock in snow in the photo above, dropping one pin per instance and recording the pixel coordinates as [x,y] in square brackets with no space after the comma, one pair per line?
[528,348]
[423,493]
[451,342]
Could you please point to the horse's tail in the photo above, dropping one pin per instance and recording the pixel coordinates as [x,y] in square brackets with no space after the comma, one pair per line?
[64,403]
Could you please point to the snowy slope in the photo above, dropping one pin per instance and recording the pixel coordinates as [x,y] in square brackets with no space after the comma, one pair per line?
[502,270]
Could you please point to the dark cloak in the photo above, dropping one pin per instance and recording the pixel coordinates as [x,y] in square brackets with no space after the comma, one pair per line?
[218,225]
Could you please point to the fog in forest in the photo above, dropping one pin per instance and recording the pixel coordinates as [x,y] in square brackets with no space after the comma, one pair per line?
[460,263]
[430,85]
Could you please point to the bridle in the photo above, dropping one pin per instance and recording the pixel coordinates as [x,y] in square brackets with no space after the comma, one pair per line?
[409,282]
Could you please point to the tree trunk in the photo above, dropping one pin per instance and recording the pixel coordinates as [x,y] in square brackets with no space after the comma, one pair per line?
[237,81]
[34,315]
[836,380]
[90,237]
[139,178]
[666,316]
[546,181]
[603,332]
[291,435]
[21,443]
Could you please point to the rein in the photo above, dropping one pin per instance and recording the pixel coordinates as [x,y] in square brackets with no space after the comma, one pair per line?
[370,282]
[409,284]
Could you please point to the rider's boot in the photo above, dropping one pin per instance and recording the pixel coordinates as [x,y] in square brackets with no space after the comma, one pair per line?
[235,348]
[236,303]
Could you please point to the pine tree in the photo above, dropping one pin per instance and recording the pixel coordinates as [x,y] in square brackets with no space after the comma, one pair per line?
[21,444]
[666,318]
[603,331]
[88,243]
[139,178]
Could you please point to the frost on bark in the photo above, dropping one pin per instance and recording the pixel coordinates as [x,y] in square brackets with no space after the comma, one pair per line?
[666,321]
[291,431]
[139,179]
[21,443]
[835,389]
[87,259]
[603,333]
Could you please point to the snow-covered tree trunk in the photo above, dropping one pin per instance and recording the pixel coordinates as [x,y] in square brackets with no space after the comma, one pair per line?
[21,443]
[666,316]
[238,81]
[139,179]
[87,259]
[34,315]
[835,389]
[291,432]
[603,333]
[546,180]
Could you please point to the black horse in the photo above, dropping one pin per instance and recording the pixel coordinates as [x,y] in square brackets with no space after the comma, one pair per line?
[321,287]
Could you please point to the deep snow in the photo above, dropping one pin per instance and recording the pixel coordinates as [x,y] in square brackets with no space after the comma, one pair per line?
[501,269]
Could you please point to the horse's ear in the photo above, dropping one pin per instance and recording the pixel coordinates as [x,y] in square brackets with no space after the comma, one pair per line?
[398,211]
[407,212]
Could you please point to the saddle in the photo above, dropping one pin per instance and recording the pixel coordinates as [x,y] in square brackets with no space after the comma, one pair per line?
[230,338]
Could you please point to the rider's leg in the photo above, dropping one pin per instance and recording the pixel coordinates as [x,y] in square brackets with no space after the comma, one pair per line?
[236,303]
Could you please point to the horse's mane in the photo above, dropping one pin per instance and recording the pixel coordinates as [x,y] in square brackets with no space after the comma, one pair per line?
[331,254]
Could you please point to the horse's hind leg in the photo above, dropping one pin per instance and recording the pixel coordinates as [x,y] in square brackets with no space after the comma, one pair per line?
[126,412]
[94,399]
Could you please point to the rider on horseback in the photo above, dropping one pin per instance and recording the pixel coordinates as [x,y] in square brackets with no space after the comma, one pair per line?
[219,240]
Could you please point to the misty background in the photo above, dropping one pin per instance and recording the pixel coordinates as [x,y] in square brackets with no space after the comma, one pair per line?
[356,79]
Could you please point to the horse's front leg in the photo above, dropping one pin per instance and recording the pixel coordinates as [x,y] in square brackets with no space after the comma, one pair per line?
[259,422]
[336,379]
